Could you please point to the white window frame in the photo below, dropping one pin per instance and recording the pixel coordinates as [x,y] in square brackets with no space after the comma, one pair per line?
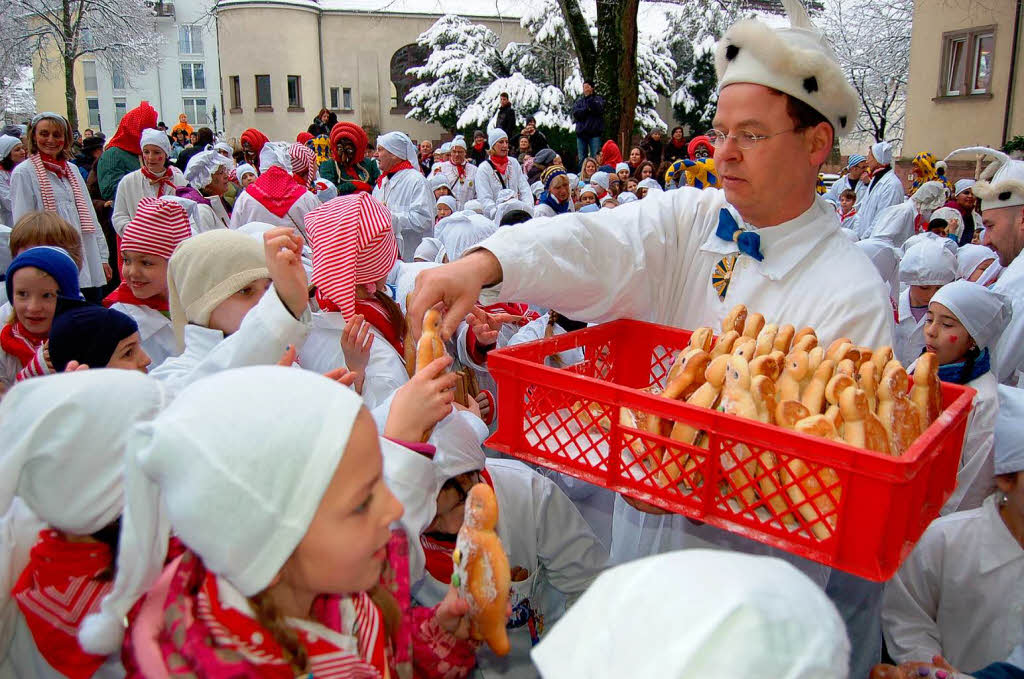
[191,109]
[346,98]
[86,67]
[335,98]
[950,80]
[190,39]
[192,71]
[975,62]
[297,103]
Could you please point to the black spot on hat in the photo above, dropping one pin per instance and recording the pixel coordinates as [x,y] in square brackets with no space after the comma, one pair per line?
[731,51]
[1005,195]
[811,84]
[842,121]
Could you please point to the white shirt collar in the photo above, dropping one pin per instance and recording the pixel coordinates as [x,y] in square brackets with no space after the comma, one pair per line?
[1000,547]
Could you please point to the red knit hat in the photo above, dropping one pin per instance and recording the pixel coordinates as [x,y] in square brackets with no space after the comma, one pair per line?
[352,132]
[255,139]
[157,228]
[353,243]
[303,137]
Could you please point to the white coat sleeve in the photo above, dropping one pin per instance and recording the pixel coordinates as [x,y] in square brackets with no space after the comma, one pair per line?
[411,203]
[122,212]
[1008,357]
[385,372]
[911,603]
[570,553]
[887,192]
[241,214]
[894,225]
[207,218]
[525,192]
[485,192]
[101,241]
[24,194]
[600,266]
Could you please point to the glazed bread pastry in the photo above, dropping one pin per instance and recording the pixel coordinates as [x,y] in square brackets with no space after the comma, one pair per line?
[702,338]
[784,338]
[429,347]
[813,396]
[736,319]
[802,485]
[725,343]
[927,391]
[861,427]
[766,339]
[481,573]
[897,413]
[753,325]
[795,376]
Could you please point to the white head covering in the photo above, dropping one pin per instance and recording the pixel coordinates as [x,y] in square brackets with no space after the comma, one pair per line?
[475,206]
[588,189]
[244,169]
[461,231]
[430,249]
[511,206]
[201,167]
[413,479]
[886,259]
[928,262]
[601,179]
[796,60]
[445,148]
[438,181]
[458,438]
[698,613]
[1009,443]
[954,220]
[459,142]
[970,256]
[651,184]
[7,144]
[984,313]
[962,185]
[537,188]
[621,166]
[224,146]
[882,151]
[626,197]
[504,196]
[154,137]
[399,144]
[275,154]
[1006,186]
[495,135]
[230,499]
[929,196]
[947,243]
[449,201]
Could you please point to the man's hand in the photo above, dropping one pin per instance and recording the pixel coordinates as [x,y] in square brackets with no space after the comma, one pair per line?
[457,286]
[108,273]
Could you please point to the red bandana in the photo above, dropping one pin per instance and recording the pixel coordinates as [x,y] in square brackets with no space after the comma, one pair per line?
[129,130]
[276,190]
[55,592]
[123,294]
[160,181]
[17,341]
[57,166]
[500,163]
[404,165]
[461,170]
[439,552]
[374,312]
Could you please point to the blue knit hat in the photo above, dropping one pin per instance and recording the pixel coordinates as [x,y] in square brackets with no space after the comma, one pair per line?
[54,261]
[87,333]
[854,160]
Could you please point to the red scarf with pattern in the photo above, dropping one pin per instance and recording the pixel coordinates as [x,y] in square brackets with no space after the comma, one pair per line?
[439,552]
[42,163]
[55,592]
[159,181]
[404,165]
[276,190]
[17,341]
[123,294]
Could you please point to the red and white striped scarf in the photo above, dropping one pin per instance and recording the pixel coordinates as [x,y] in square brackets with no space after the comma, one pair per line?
[61,170]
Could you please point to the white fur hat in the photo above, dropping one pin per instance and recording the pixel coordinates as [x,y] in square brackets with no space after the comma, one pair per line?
[796,60]
[1006,187]
[234,499]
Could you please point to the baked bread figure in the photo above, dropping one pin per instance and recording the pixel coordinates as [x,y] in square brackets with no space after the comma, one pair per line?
[898,414]
[736,320]
[429,346]
[726,341]
[927,390]
[481,574]
[806,488]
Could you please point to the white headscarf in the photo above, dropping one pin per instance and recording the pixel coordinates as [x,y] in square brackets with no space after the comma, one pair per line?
[929,196]
[970,256]
[230,499]
[882,151]
[461,231]
[626,197]
[509,206]
[698,613]
[459,142]
[962,185]
[413,479]
[621,166]
[928,262]
[438,181]
[244,169]
[1009,455]
[430,249]
[947,243]
[984,313]
[475,206]
[954,220]
[275,154]
[886,259]
[600,178]
[449,201]
[7,144]
[154,137]
[399,144]
[458,438]
[201,167]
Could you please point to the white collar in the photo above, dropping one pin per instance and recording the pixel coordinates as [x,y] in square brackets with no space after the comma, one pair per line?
[999,546]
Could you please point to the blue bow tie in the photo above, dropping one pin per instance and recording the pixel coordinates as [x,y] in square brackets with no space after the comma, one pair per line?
[749,242]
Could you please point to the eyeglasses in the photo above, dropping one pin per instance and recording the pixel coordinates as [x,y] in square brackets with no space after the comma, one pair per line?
[744,139]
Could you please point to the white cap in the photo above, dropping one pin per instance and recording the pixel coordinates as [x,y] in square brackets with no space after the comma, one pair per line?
[962,185]
[458,142]
[413,479]
[947,243]
[698,613]
[626,197]
[445,148]
[930,196]
[651,184]
[461,231]
[449,201]
[1009,444]
[954,220]
[275,154]
[399,144]
[621,166]
[886,259]
[458,438]
[475,206]
[796,60]
[1005,188]
[201,167]
[882,151]
[970,256]
[438,181]
[601,179]
[928,262]
[152,137]
[230,499]
[495,135]
[244,169]
[983,312]
[7,144]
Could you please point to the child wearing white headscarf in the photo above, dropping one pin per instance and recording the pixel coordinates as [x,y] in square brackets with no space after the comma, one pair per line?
[958,594]
[699,613]
[292,566]
[154,179]
[62,493]
[925,268]
[974,262]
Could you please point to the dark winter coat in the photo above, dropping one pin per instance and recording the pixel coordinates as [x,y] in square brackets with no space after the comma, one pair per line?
[507,121]
[588,112]
[654,151]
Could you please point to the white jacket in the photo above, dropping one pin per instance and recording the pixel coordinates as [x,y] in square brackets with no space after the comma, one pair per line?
[1008,357]
[489,184]
[843,183]
[132,188]
[888,191]
[977,464]
[266,331]
[247,209]
[909,332]
[959,592]
[463,189]
[5,198]
[895,224]
[407,194]
[544,533]
[212,216]
[155,331]
[25,197]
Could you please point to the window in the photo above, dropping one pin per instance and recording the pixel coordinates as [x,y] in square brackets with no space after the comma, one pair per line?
[195,109]
[335,99]
[346,98]
[89,73]
[263,92]
[967,62]
[401,82]
[190,40]
[117,78]
[193,77]
[294,91]
[120,108]
[236,93]
[94,111]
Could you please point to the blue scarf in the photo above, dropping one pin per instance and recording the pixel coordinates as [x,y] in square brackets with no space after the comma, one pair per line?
[954,372]
[549,200]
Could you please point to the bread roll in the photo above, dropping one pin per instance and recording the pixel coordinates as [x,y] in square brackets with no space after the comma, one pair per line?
[737,400]
[897,413]
[766,339]
[795,376]
[726,341]
[813,396]
[429,347]
[800,483]
[765,365]
[861,428]
[735,320]
[784,338]
[745,348]
[927,390]
[753,325]
[702,338]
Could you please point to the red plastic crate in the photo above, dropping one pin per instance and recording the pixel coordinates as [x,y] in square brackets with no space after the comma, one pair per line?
[864,518]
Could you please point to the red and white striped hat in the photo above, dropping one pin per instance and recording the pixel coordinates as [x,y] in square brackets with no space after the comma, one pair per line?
[157,228]
[353,243]
[303,163]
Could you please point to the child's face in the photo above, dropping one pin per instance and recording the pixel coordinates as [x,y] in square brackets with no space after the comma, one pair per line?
[944,335]
[227,316]
[441,191]
[981,268]
[35,299]
[343,550]
[129,355]
[443,211]
[938,231]
[587,198]
[846,203]
[451,507]
[623,175]
[921,295]
[248,178]
[631,185]
[145,274]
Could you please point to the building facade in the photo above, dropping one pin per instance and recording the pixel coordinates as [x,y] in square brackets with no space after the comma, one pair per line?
[966,83]
[347,56]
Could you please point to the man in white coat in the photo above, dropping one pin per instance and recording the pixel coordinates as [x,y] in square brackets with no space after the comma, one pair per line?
[895,224]
[856,166]
[459,175]
[661,259]
[885,189]
[405,191]
[500,171]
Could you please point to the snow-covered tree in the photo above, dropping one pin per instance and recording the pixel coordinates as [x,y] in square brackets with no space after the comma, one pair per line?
[120,33]
[546,102]
[655,67]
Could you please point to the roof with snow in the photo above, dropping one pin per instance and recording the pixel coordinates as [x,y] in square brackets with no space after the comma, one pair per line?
[509,9]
